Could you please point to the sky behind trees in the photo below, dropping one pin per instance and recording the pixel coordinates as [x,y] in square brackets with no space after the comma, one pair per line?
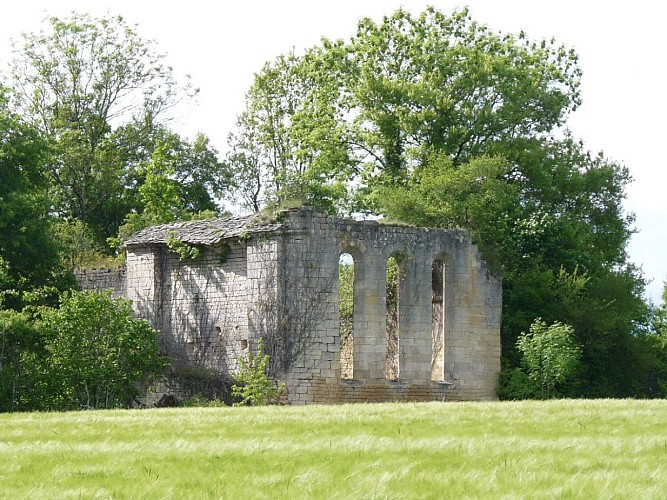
[222,44]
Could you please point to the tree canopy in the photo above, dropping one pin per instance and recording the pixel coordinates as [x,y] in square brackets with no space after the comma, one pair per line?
[437,120]
[28,254]
[100,94]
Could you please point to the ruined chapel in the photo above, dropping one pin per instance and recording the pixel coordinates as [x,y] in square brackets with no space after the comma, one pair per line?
[277,278]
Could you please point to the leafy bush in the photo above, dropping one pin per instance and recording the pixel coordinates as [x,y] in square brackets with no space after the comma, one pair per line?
[96,353]
[199,401]
[19,346]
[550,355]
[253,385]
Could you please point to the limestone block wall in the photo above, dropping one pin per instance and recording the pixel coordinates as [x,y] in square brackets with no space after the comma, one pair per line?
[199,306]
[142,266]
[470,352]
[282,285]
[103,279]
[205,304]
[309,282]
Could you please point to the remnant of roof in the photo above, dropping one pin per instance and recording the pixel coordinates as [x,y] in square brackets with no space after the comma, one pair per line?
[205,232]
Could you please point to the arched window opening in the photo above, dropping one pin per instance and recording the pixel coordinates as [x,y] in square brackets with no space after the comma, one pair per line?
[393,337]
[438,320]
[346,311]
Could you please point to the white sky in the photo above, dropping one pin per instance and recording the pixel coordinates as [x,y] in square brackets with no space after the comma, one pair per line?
[621,46]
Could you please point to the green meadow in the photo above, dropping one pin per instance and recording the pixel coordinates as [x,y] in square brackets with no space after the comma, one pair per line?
[549,449]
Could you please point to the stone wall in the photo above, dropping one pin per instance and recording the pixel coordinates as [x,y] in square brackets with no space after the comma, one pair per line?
[471,324]
[103,279]
[282,285]
[200,306]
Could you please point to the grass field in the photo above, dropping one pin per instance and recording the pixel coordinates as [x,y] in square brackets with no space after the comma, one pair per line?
[555,449]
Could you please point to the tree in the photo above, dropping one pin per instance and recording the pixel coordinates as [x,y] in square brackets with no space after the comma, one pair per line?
[443,122]
[289,142]
[178,183]
[28,254]
[407,88]
[659,325]
[78,82]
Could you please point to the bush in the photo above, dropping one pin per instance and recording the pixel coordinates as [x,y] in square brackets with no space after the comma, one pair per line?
[253,385]
[515,384]
[199,401]
[550,355]
[96,353]
[20,345]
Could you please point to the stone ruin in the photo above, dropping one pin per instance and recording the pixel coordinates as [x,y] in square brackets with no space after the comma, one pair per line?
[277,278]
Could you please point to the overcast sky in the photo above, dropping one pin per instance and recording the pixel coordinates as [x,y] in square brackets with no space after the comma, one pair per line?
[621,46]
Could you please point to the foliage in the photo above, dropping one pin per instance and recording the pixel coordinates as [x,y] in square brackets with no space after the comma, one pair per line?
[277,152]
[76,81]
[346,294]
[199,401]
[659,319]
[473,195]
[541,449]
[550,355]
[95,353]
[20,345]
[253,385]
[79,249]
[516,385]
[369,110]
[437,120]
[393,278]
[88,353]
[179,180]
[653,346]
[346,314]
[28,252]
[180,248]
[101,95]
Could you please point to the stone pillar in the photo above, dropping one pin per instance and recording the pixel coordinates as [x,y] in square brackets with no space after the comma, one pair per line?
[370,317]
[144,282]
[415,311]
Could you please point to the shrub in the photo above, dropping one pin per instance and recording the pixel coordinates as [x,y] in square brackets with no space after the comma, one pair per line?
[515,384]
[253,385]
[20,346]
[96,352]
[200,401]
[550,355]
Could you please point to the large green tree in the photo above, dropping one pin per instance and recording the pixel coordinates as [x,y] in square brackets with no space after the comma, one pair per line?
[400,90]
[289,141]
[28,256]
[101,95]
[178,182]
[437,120]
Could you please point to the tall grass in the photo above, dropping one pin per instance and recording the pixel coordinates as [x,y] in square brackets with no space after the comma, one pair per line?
[555,449]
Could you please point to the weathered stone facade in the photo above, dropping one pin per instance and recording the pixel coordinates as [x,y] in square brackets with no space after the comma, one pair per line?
[278,280]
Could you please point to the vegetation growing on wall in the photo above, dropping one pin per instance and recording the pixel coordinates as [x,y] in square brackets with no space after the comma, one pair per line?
[253,385]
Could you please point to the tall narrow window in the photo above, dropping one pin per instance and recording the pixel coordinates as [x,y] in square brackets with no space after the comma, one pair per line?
[393,278]
[346,308]
[438,319]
